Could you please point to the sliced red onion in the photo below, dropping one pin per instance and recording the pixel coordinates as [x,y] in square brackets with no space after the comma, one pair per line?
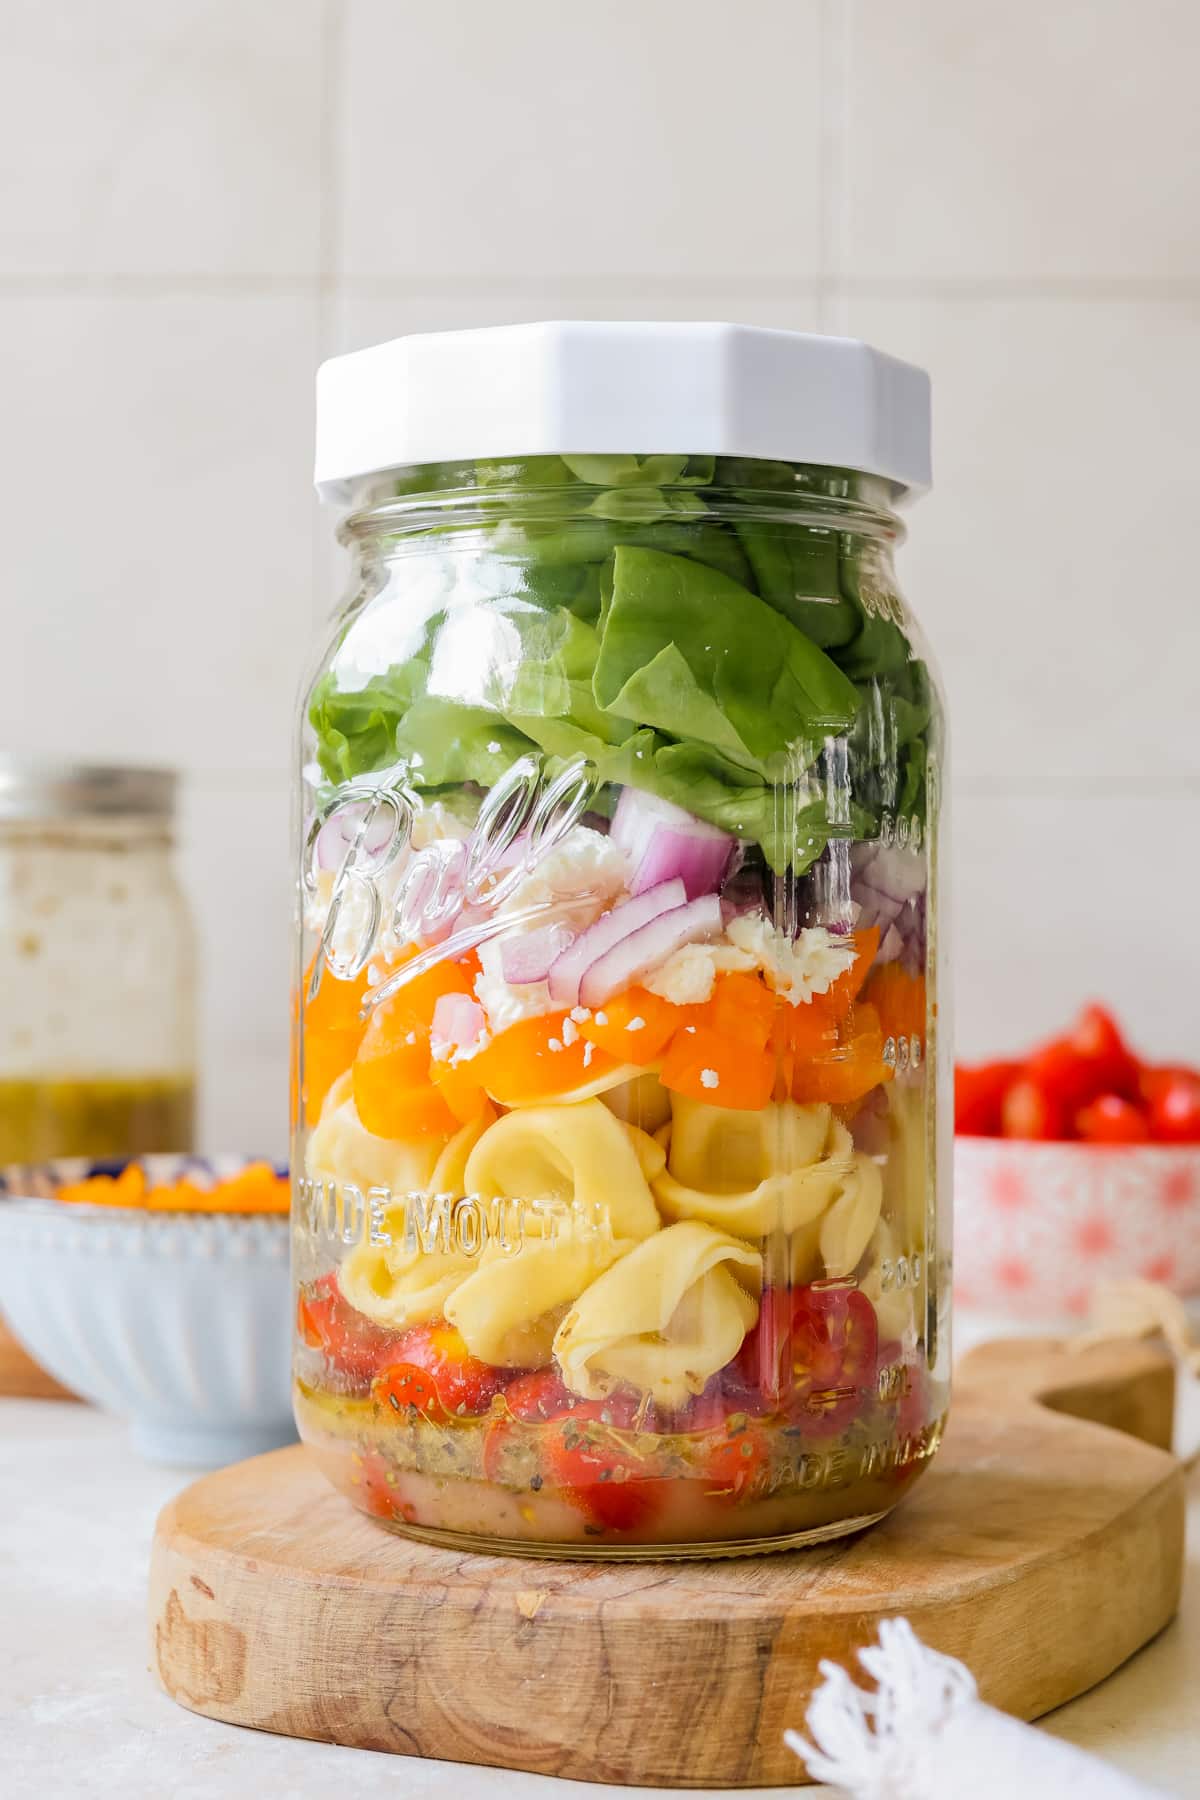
[459,1021]
[891,947]
[530,956]
[663,841]
[648,947]
[341,828]
[611,929]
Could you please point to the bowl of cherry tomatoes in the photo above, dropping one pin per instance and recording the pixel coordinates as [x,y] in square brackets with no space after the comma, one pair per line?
[1075,1165]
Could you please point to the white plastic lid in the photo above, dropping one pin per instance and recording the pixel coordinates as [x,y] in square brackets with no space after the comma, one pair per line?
[595,389]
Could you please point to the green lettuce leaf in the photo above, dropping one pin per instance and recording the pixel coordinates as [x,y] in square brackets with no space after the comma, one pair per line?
[696,655]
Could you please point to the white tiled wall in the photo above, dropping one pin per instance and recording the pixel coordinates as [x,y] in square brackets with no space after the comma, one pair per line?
[199,200]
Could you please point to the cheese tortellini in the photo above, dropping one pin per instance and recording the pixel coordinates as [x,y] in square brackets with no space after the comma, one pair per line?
[581,1177]
[757,1173]
[577,1162]
[664,1318]
[509,1309]
[400,1283]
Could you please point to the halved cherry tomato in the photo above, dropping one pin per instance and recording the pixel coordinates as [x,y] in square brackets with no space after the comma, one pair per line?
[654,1022]
[814,1352]
[737,1460]
[979,1097]
[850,1070]
[378,1488]
[705,1064]
[403,1385]
[1111,1120]
[540,1396]
[533,1060]
[601,1472]
[350,1343]
[433,1370]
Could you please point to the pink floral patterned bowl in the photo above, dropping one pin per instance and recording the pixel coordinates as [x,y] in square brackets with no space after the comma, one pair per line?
[1036,1226]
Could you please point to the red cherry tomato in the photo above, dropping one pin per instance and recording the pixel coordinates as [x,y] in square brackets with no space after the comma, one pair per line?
[1029,1111]
[349,1342]
[378,1489]
[603,1474]
[1175,1108]
[1111,1120]
[1097,1041]
[979,1095]
[431,1369]
[1092,1059]
[542,1394]
[737,1460]
[814,1352]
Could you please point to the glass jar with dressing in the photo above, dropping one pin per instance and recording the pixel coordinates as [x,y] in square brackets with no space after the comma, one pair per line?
[621,1211]
[97,1015]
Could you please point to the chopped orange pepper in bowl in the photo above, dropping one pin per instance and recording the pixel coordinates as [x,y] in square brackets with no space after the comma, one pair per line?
[254,1189]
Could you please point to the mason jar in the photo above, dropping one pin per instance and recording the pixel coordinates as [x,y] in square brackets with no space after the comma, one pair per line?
[621,1187]
[97,1049]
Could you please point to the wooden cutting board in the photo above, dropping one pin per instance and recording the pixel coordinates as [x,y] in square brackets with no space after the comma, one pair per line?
[23,1379]
[1041,1547]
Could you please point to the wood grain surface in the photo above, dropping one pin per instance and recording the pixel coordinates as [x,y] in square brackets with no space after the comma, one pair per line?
[1042,1547]
[23,1379]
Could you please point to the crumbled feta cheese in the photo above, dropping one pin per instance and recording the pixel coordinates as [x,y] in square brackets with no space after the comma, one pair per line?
[709,1078]
[434,824]
[580,1014]
[507,1002]
[602,1018]
[570,1031]
[586,868]
[588,1052]
[556,1044]
[798,967]
[687,976]
[638,1024]
[411,1038]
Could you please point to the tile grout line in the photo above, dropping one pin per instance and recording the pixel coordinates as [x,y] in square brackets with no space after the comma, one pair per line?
[329,194]
[834,75]
[329,231]
[198,285]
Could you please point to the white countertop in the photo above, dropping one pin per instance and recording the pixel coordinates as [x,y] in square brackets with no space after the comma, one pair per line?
[80,1713]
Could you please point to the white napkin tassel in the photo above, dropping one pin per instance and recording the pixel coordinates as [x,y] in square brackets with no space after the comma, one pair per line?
[924,1734]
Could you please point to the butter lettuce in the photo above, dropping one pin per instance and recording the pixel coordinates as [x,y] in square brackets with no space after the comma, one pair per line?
[649,614]
[697,655]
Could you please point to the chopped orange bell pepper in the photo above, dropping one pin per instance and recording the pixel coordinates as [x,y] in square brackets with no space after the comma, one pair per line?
[460,1087]
[899,999]
[848,1070]
[836,1003]
[741,1007]
[635,1026]
[710,1065]
[533,1060]
[393,1091]
[333,1031]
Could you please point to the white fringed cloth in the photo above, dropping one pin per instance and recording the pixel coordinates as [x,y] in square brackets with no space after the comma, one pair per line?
[924,1734]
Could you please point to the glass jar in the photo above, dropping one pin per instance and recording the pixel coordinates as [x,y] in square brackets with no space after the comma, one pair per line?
[96,965]
[620,1213]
